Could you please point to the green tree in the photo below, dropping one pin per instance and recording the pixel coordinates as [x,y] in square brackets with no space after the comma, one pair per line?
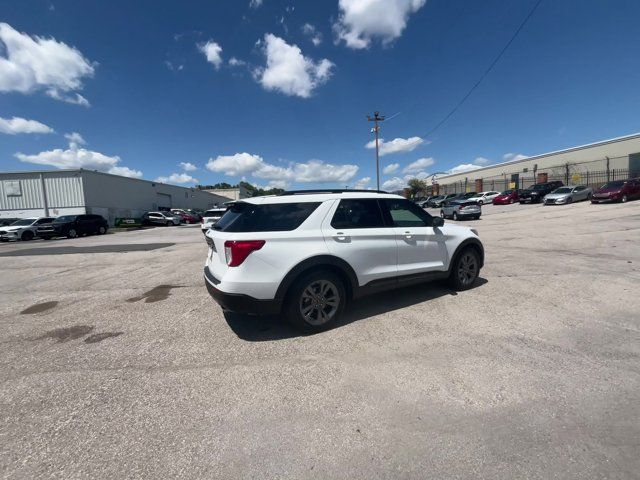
[416,187]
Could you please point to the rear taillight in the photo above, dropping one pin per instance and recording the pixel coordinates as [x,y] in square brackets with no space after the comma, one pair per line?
[237,251]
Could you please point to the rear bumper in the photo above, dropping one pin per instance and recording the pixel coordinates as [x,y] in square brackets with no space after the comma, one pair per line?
[239,303]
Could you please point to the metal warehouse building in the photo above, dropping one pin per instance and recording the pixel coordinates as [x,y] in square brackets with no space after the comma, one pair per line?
[592,164]
[69,192]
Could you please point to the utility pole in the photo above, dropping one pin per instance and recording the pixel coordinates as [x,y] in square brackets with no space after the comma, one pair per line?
[376,129]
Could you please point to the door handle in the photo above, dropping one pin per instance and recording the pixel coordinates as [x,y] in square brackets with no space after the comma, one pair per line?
[341,237]
[407,235]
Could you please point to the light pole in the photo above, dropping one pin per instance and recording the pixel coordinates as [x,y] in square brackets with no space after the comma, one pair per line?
[376,129]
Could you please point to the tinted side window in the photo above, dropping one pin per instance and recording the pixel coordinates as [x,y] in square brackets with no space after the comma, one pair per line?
[273,217]
[358,213]
[406,214]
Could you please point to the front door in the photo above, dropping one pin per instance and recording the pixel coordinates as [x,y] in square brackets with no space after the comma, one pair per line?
[355,231]
[421,248]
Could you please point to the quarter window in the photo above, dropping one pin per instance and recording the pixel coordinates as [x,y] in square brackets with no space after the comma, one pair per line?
[357,213]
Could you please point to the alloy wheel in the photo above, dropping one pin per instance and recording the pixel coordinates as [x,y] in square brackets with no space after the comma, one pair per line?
[319,302]
[467,269]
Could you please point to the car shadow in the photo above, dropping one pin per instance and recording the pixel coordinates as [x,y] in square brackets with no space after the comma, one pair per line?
[253,328]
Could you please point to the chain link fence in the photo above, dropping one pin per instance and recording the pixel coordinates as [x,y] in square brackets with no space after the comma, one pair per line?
[592,173]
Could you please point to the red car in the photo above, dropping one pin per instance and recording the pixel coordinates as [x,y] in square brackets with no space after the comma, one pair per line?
[507,197]
[617,191]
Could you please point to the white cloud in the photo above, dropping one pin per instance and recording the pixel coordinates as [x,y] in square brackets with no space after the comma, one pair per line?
[312,32]
[15,125]
[177,178]
[397,145]
[481,161]
[75,139]
[29,64]
[313,171]
[393,184]
[391,168]
[236,62]
[289,71]
[362,183]
[418,165]
[255,3]
[213,52]
[464,167]
[361,21]
[75,157]
[511,157]
[188,167]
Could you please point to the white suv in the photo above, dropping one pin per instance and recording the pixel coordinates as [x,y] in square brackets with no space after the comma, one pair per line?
[309,253]
[24,229]
[210,217]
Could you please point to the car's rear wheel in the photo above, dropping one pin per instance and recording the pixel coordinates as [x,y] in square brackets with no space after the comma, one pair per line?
[169,223]
[510,201]
[72,233]
[441,214]
[465,269]
[26,236]
[102,230]
[590,196]
[316,301]
[455,216]
[477,217]
[624,199]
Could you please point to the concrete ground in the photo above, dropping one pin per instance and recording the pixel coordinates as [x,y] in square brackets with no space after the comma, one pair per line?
[114,363]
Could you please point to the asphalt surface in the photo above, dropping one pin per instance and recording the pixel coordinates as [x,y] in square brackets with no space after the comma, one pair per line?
[119,365]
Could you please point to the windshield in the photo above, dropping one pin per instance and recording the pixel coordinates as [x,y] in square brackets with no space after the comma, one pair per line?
[507,192]
[65,219]
[539,187]
[617,184]
[563,190]
[23,222]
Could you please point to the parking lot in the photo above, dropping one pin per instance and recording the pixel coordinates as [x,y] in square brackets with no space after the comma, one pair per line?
[116,363]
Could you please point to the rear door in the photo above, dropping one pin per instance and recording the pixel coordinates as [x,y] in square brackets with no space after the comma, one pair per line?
[355,231]
[421,248]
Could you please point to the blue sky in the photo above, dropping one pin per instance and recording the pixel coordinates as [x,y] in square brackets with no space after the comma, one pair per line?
[149,88]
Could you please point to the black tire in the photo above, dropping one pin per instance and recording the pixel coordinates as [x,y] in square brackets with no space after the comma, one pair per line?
[589,197]
[477,217]
[299,300]
[441,214]
[102,230]
[511,201]
[481,202]
[27,235]
[569,200]
[72,233]
[454,216]
[464,270]
[169,223]
[624,198]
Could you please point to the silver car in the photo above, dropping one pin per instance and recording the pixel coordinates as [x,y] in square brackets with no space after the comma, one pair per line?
[460,208]
[568,194]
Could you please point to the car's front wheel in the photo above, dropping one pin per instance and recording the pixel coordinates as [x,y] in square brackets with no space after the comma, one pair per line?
[26,236]
[72,233]
[102,230]
[316,301]
[465,269]
[455,216]
[624,198]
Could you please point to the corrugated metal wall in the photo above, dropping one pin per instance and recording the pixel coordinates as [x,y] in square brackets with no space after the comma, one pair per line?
[64,189]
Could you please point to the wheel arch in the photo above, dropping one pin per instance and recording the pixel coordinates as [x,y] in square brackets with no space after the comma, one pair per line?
[468,243]
[319,262]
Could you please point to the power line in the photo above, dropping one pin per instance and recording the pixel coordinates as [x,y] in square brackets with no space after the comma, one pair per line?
[486,72]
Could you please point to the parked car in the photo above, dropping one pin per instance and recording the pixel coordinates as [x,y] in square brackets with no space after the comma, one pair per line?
[161,218]
[210,217]
[536,193]
[465,195]
[507,197]
[460,208]
[484,197]
[617,191]
[4,222]
[72,226]
[186,217]
[23,229]
[437,203]
[309,255]
[568,194]
[431,203]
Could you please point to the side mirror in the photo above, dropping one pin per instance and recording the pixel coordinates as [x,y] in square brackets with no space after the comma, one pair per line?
[437,222]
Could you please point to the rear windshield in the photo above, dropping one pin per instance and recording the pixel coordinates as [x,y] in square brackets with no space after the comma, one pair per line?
[273,217]
[215,213]
[65,219]
[616,184]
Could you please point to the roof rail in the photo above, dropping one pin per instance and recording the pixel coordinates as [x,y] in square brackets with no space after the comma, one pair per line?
[330,190]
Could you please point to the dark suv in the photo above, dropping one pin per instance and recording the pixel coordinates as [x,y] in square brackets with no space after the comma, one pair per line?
[536,193]
[72,226]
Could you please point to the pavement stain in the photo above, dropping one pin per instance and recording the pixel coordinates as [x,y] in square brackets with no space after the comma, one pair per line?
[156,294]
[39,308]
[68,333]
[98,337]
